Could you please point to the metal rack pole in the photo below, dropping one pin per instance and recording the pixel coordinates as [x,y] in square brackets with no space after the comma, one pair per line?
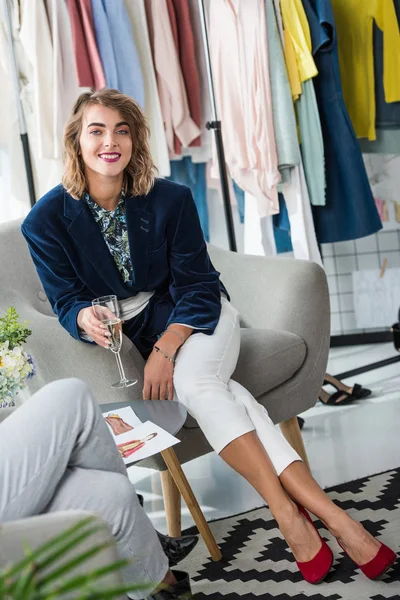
[215,125]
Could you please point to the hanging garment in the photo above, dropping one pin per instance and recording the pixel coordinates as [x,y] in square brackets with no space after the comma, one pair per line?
[193,175]
[152,106]
[188,61]
[259,237]
[312,143]
[303,235]
[174,29]
[87,59]
[112,24]
[387,113]
[202,153]
[14,193]
[65,86]
[287,144]
[171,86]
[312,146]
[104,42]
[281,225]
[354,19]
[239,53]
[350,210]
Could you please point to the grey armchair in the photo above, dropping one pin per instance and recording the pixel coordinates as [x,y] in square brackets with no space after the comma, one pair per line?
[284,307]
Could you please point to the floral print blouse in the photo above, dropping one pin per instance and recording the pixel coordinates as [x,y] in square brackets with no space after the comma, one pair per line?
[112,225]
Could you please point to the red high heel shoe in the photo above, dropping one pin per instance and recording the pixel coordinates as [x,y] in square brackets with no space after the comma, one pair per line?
[378,566]
[314,571]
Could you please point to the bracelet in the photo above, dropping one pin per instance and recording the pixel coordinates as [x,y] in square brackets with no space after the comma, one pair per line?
[167,356]
[180,336]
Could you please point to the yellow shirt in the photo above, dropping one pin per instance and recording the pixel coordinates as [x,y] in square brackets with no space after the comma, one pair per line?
[296,25]
[354,25]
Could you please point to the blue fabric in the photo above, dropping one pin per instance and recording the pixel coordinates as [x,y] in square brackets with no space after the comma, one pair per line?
[281,225]
[168,254]
[104,44]
[112,24]
[186,172]
[350,210]
[387,113]
[239,193]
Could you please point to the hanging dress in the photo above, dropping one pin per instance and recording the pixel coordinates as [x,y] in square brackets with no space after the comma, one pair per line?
[350,210]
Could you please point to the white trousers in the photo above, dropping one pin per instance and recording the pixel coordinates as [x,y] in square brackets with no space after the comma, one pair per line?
[56,453]
[224,409]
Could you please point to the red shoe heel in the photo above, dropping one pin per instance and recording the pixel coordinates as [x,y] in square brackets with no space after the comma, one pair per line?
[378,566]
[314,571]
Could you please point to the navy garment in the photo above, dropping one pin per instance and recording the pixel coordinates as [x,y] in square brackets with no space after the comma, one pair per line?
[350,210]
[387,113]
[186,172]
[168,254]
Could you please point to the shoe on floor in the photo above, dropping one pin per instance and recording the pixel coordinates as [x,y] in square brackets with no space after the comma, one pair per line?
[175,548]
[179,591]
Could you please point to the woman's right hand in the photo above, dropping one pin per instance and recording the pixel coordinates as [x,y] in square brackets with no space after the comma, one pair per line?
[94,328]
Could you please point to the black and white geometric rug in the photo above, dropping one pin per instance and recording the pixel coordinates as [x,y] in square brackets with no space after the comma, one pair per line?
[258,565]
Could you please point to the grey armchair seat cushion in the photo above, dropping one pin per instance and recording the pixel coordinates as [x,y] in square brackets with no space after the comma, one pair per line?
[268,358]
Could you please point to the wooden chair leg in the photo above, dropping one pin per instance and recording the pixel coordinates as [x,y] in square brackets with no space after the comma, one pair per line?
[292,433]
[175,469]
[172,502]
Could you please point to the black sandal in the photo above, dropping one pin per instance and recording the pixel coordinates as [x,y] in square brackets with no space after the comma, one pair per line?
[337,399]
[357,391]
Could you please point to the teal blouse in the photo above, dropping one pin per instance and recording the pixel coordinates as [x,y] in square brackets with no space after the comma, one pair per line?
[112,225]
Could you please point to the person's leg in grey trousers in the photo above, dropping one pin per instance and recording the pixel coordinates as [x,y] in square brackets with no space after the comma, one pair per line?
[56,453]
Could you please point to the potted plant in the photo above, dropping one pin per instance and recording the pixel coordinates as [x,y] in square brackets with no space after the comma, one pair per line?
[16,365]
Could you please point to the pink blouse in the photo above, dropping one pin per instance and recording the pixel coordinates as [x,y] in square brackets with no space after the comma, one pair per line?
[239,54]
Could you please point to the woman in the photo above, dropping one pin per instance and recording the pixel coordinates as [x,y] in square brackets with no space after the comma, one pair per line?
[113,228]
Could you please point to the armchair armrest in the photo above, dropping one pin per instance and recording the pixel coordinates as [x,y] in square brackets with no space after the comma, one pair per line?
[284,295]
[58,355]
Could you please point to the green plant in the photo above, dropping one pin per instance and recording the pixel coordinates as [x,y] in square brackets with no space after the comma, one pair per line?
[11,330]
[44,574]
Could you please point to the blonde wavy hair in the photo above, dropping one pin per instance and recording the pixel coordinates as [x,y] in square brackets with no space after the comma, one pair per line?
[140,172]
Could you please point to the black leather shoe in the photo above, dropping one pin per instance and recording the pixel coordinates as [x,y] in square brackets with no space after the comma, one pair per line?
[179,591]
[177,548]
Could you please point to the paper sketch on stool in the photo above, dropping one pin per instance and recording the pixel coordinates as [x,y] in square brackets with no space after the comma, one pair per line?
[121,420]
[143,441]
[376,299]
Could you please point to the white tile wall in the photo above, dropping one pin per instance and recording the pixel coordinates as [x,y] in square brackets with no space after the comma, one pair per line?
[368,261]
[388,241]
[332,284]
[367,244]
[345,283]
[342,259]
[346,302]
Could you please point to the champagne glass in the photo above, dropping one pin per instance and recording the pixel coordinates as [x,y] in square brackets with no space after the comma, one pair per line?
[107,310]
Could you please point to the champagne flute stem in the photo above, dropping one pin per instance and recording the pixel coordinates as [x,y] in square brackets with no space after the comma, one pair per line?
[120,367]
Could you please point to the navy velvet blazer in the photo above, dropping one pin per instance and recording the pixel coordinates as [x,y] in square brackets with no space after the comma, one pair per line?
[168,253]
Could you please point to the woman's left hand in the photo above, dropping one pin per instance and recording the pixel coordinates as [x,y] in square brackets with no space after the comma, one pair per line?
[158,378]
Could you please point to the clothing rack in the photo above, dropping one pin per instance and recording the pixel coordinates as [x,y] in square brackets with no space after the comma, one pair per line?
[21,118]
[215,126]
